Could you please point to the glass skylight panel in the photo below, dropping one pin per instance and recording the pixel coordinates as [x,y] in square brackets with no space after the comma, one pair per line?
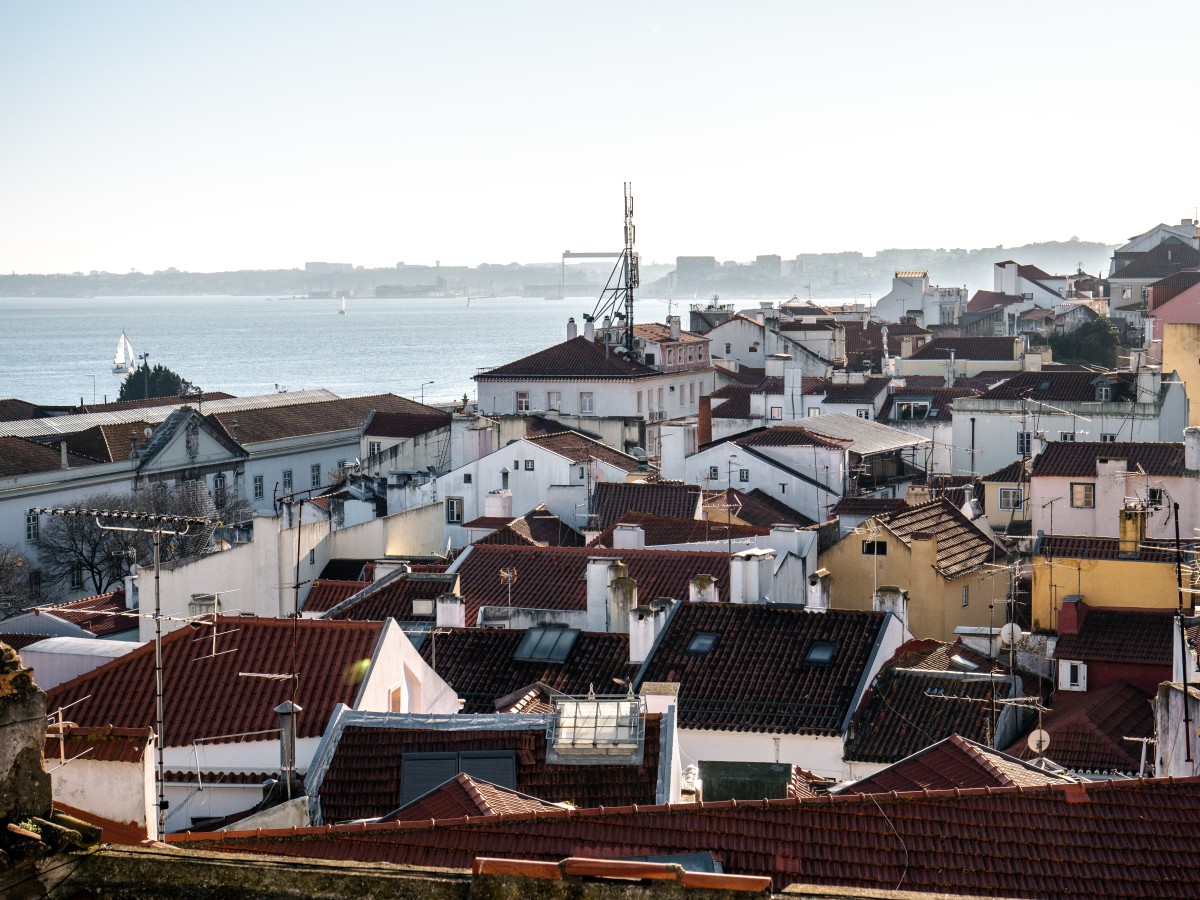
[819,652]
[546,644]
[701,642]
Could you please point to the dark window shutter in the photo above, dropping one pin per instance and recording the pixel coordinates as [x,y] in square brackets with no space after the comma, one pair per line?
[421,773]
[496,766]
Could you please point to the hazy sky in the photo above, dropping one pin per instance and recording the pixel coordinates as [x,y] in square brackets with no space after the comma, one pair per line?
[216,135]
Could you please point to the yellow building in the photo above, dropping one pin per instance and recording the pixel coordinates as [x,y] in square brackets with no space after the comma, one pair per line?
[950,568]
[1181,355]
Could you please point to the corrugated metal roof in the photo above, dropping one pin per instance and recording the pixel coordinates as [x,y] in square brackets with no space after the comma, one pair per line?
[866,437]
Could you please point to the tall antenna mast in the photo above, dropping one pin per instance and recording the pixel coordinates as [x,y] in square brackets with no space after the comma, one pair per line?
[613,297]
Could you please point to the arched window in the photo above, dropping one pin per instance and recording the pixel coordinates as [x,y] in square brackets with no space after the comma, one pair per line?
[219,492]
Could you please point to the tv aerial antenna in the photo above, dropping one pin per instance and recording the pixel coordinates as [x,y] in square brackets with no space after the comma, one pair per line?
[616,299]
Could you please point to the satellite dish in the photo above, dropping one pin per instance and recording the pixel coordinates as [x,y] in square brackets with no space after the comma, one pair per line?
[1038,741]
[1010,634]
[148,431]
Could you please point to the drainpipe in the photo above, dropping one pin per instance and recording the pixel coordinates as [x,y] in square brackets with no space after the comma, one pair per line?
[972,446]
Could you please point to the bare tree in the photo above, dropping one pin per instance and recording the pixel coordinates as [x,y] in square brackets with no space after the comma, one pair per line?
[14,581]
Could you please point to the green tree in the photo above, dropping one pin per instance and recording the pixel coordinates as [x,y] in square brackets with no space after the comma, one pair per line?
[1096,343]
[145,382]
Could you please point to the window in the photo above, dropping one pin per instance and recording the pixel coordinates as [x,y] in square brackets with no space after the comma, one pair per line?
[522,401]
[1073,678]
[554,400]
[691,354]
[692,392]
[529,465]
[1010,498]
[1024,442]
[312,556]
[814,411]
[315,472]
[649,359]
[504,479]
[819,653]
[966,596]
[287,481]
[374,448]
[874,548]
[219,490]
[466,478]
[421,773]
[863,413]
[776,412]
[639,402]
[423,607]
[31,526]
[743,475]
[341,464]
[1066,435]
[581,473]
[76,576]
[1103,393]
[1083,495]
[546,643]
[258,487]
[682,399]
[701,643]
[713,473]
[454,510]
[1072,675]
[728,348]
[585,402]
[1108,437]
[912,410]
[660,398]
[1154,496]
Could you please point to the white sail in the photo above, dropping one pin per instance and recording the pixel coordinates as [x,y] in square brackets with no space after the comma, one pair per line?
[123,358]
[342,311]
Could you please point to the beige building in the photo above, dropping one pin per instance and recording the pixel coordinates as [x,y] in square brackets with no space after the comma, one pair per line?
[946,568]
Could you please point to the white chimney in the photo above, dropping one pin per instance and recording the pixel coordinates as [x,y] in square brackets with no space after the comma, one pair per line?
[1148,383]
[777,364]
[702,589]
[622,599]
[819,584]
[645,624]
[1032,361]
[894,600]
[62,450]
[785,539]
[629,537]
[572,328]
[1191,449]
[673,444]
[674,326]
[498,504]
[451,611]
[750,575]
[950,371]
[599,573]
[131,589]
[589,329]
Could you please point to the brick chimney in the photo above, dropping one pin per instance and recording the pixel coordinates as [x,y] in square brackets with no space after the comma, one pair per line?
[1072,614]
[704,435]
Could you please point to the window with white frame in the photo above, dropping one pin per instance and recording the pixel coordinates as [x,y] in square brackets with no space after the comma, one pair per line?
[454,510]
[776,413]
[258,487]
[1103,393]
[585,402]
[1108,437]
[314,472]
[287,481]
[1010,498]
[529,465]
[1083,495]
[76,576]
[1066,436]
[219,489]
[743,475]
[966,596]
[374,448]
[31,526]
[814,411]
[522,401]
[554,400]
[863,413]
[1024,442]
[713,473]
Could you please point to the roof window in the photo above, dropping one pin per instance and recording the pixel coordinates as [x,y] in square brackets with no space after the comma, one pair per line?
[702,642]
[549,643]
[819,653]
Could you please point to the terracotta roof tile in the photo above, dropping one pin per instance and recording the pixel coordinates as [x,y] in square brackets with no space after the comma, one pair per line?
[393,598]
[940,400]
[1062,385]
[658,332]
[955,762]
[321,417]
[1112,840]
[971,348]
[756,677]
[961,546]
[408,422]
[1166,259]
[575,358]
[102,615]
[466,796]
[611,500]
[14,410]
[99,744]
[1122,636]
[577,448]
[904,709]
[760,508]
[866,392]
[661,530]
[1088,729]
[107,443]
[21,456]
[21,641]
[363,779]
[982,301]
[554,577]
[786,436]
[1079,458]
[111,832]
[867,506]
[1091,547]
[537,528]
[478,664]
[326,594]
[121,693]
[1010,474]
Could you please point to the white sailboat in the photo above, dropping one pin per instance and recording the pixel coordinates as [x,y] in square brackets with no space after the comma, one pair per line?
[342,310]
[123,359]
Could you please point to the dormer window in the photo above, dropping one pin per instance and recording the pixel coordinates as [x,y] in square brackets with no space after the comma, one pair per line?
[1103,393]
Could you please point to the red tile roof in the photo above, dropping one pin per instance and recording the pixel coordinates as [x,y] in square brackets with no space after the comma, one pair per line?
[121,693]
[576,358]
[661,530]
[955,762]
[1088,729]
[1167,289]
[576,448]
[393,598]
[478,664]
[940,400]
[325,594]
[14,410]
[1090,547]
[1112,840]
[867,506]
[611,500]
[971,348]
[363,778]
[658,332]
[463,796]
[961,546]
[20,456]
[319,417]
[111,832]
[407,423]
[982,301]
[787,436]
[755,677]
[906,710]
[106,443]
[537,528]
[554,577]
[151,402]
[866,392]
[1166,259]
[103,744]
[1066,459]
[1061,385]
[757,507]
[20,641]
[1010,474]
[102,615]
[1123,636]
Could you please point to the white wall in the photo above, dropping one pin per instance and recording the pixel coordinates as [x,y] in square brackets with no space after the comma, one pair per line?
[610,397]
[822,465]
[57,660]
[399,680]
[120,791]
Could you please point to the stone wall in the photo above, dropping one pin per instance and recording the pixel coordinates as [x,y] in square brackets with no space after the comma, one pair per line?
[24,782]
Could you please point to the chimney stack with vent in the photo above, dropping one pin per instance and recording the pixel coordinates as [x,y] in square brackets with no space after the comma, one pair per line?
[704,432]
[572,328]
[589,329]
[287,711]
[598,576]
[1072,614]
[645,624]
[950,371]
[750,576]
[889,598]
[702,589]
[629,537]
[1132,529]
[451,611]
[674,327]
[622,598]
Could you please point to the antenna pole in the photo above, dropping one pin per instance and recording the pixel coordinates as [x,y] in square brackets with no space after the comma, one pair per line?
[1183,652]
[631,266]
